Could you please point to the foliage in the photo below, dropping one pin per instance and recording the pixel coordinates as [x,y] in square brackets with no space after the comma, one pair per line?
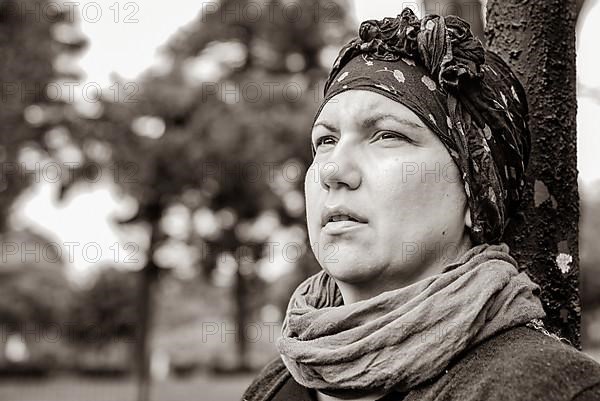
[106,312]
[30,43]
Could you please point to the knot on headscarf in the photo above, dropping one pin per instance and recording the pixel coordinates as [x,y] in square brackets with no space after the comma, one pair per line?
[468,96]
[445,46]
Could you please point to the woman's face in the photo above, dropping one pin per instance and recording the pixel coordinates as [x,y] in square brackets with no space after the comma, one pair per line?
[377,162]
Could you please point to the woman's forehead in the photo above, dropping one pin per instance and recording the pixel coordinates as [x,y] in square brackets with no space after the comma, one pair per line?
[364,105]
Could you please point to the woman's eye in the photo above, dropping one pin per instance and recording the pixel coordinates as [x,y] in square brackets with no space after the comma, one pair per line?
[390,135]
[323,141]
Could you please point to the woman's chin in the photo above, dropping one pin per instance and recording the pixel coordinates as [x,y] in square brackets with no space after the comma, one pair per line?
[348,271]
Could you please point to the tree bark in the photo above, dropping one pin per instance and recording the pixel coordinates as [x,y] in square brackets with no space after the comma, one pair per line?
[537,38]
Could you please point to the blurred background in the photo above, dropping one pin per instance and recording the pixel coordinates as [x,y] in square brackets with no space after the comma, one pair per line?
[151,209]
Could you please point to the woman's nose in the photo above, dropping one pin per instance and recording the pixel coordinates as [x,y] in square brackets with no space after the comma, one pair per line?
[340,169]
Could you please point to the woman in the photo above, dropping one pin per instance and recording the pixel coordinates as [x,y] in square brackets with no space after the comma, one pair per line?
[420,148]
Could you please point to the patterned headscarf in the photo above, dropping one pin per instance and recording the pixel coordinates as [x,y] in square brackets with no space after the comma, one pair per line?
[466,95]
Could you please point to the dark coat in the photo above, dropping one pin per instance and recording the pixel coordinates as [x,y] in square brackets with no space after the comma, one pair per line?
[519,364]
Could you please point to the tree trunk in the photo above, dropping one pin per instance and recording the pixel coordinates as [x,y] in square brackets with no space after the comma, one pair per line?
[148,281]
[241,309]
[538,39]
[241,312]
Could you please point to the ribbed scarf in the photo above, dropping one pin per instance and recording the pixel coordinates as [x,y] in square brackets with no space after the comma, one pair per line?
[401,338]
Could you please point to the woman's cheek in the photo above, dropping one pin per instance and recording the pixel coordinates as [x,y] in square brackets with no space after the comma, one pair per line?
[312,192]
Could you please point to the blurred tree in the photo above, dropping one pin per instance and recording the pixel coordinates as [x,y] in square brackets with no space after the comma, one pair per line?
[589,251]
[33,290]
[538,40]
[37,40]
[220,134]
[33,34]
[35,297]
[470,10]
[107,311]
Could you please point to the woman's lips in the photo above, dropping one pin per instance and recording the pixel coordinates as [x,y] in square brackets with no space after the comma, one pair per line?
[341,227]
[330,212]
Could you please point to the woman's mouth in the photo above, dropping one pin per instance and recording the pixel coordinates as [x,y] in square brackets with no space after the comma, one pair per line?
[341,227]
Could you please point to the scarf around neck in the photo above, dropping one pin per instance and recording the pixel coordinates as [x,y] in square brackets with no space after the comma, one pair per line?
[404,337]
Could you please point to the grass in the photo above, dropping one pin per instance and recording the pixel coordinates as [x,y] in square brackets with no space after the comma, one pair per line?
[197,388]
[69,388]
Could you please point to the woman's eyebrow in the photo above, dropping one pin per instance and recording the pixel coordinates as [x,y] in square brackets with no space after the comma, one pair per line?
[372,120]
[326,125]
